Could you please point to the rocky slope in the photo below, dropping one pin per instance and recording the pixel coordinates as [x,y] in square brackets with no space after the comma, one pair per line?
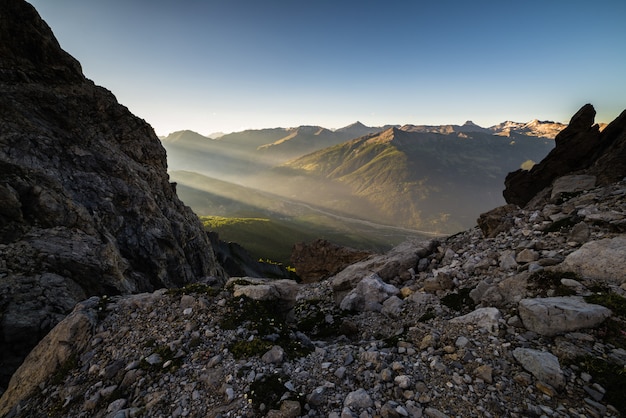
[521,316]
[456,327]
[86,207]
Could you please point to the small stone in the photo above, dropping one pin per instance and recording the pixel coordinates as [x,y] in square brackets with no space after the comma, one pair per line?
[484,372]
[275,355]
[358,399]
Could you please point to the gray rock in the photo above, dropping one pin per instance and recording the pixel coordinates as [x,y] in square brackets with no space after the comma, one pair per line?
[368,295]
[571,184]
[275,355]
[543,365]
[487,318]
[358,399]
[552,316]
[67,339]
[600,260]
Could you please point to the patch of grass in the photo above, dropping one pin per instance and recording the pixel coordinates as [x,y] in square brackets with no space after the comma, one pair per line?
[543,281]
[311,319]
[616,303]
[249,348]
[460,300]
[265,318]
[194,288]
[611,377]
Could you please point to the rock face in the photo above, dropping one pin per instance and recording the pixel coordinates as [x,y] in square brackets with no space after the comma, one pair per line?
[579,147]
[321,259]
[86,207]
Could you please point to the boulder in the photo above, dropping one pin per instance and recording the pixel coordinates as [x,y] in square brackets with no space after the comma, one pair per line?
[601,260]
[62,345]
[321,259]
[571,184]
[283,291]
[543,365]
[497,220]
[368,295]
[397,261]
[486,318]
[581,149]
[557,315]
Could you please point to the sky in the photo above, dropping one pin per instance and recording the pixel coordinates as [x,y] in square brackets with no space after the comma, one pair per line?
[229,65]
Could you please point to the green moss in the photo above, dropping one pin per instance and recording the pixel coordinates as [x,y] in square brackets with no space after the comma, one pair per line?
[245,349]
[460,300]
[263,318]
[611,300]
[611,377]
[311,319]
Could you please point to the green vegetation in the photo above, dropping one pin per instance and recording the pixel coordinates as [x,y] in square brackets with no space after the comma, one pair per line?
[545,281]
[273,239]
[611,300]
[193,288]
[262,318]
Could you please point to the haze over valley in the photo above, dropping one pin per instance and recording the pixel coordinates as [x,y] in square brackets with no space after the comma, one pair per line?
[367,187]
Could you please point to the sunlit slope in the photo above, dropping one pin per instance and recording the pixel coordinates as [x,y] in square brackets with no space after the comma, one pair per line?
[268,225]
[429,181]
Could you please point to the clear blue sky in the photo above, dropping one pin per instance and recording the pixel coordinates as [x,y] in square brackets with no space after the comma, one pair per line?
[228,65]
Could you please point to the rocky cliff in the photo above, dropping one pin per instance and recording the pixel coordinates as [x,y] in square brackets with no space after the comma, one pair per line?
[86,207]
[580,148]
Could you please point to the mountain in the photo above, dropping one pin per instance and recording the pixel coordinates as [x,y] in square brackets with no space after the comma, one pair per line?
[243,154]
[86,205]
[537,128]
[413,178]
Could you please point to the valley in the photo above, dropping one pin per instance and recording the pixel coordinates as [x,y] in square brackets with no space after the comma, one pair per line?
[365,187]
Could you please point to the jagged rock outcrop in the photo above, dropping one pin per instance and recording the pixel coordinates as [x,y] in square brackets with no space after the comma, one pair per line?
[321,259]
[86,207]
[580,147]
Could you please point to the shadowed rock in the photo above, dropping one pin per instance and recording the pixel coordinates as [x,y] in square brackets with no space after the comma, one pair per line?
[87,206]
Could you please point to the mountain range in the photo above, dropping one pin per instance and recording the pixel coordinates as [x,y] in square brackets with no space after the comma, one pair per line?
[427,178]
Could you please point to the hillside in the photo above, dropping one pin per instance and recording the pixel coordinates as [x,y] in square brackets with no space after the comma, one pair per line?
[418,179]
[269,225]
